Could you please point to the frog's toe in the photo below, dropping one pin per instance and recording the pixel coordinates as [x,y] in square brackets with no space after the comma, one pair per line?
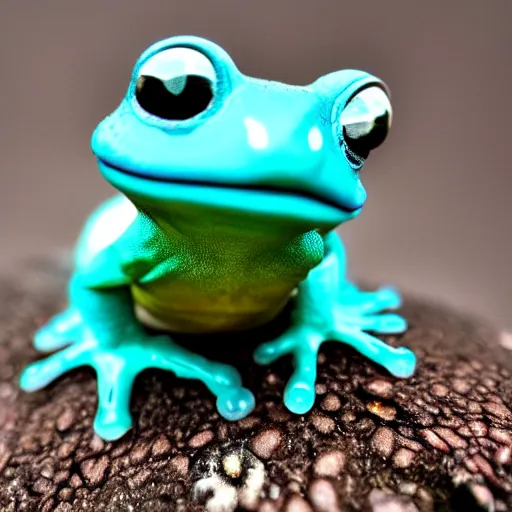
[373,302]
[115,382]
[235,403]
[388,297]
[111,428]
[299,396]
[267,353]
[60,331]
[33,377]
[47,340]
[226,375]
[39,374]
[271,351]
[385,324]
[401,363]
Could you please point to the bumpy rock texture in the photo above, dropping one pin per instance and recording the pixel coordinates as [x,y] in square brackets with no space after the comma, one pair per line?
[439,441]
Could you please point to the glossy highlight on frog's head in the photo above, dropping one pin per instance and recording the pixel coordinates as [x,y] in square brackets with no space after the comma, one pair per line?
[193,130]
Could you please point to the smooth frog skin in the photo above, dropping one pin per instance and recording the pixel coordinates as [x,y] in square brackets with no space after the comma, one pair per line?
[231,188]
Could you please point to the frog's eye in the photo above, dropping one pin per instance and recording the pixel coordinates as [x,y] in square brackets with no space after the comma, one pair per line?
[365,122]
[176,84]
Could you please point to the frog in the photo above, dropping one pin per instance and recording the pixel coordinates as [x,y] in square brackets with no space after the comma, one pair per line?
[229,193]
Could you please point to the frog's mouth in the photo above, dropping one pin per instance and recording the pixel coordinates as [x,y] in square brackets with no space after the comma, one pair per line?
[240,187]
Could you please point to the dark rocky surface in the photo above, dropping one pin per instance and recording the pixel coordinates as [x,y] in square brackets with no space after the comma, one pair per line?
[441,440]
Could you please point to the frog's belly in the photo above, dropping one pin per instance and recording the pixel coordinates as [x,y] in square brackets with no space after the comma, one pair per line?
[183,308]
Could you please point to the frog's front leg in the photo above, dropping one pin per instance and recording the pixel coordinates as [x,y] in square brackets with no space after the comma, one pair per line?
[111,340]
[329,308]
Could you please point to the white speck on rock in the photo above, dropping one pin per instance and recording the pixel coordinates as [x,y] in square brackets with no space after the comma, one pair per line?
[224,498]
[250,493]
[274,492]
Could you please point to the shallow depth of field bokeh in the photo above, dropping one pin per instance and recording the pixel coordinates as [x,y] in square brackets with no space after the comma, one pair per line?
[438,217]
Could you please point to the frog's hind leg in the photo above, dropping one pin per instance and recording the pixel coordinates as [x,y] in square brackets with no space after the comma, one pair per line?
[63,329]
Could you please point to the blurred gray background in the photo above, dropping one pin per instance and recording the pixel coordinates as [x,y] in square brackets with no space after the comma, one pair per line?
[438,216]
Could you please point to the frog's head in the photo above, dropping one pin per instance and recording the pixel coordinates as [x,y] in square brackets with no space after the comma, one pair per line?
[193,132]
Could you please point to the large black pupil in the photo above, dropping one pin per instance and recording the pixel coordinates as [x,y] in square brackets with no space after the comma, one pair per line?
[363,145]
[157,100]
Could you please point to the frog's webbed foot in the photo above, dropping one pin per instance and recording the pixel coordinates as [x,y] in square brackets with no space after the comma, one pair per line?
[117,367]
[364,310]
[347,322]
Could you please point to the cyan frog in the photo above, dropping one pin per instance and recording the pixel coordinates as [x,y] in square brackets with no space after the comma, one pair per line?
[231,188]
